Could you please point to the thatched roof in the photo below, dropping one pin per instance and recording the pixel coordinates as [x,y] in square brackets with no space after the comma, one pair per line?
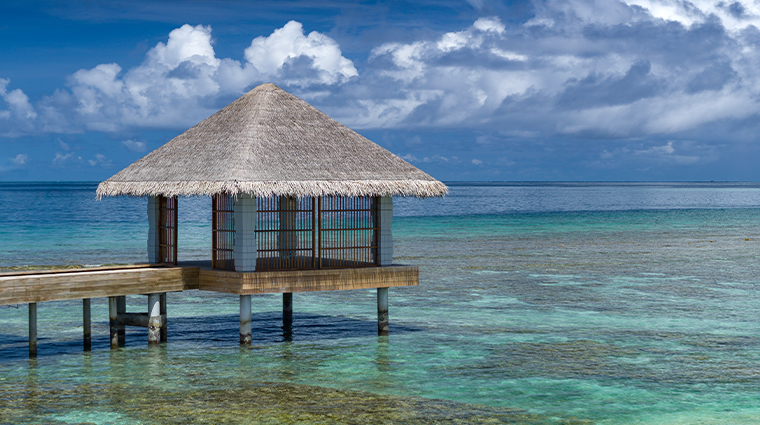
[269,142]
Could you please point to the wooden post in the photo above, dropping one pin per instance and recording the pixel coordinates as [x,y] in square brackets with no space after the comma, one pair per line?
[32,330]
[245,319]
[121,308]
[287,309]
[113,314]
[86,324]
[154,319]
[163,317]
[382,311]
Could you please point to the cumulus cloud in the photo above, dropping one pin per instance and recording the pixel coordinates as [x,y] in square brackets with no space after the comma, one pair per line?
[177,84]
[65,159]
[584,68]
[299,59]
[20,159]
[101,160]
[16,163]
[135,146]
[589,68]
[19,115]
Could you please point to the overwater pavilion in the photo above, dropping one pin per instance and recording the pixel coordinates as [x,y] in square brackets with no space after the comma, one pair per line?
[299,203]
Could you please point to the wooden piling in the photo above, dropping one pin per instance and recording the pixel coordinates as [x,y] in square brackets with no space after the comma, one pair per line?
[382,311]
[154,319]
[121,308]
[163,317]
[113,315]
[32,330]
[86,324]
[245,319]
[287,309]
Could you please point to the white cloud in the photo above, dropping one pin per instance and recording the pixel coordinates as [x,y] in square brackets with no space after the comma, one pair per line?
[61,159]
[667,153]
[477,161]
[325,62]
[617,69]
[734,15]
[178,81]
[20,159]
[454,91]
[134,145]
[658,150]
[101,160]
[20,115]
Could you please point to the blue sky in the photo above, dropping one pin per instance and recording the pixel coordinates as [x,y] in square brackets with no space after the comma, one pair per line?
[465,90]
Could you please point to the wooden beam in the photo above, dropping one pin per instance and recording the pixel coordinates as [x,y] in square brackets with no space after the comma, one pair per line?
[86,324]
[287,309]
[163,317]
[113,315]
[382,311]
[121,308]
[307,280]
[32,330]
[27,288]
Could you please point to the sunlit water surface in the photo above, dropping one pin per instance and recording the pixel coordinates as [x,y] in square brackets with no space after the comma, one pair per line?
[537,303]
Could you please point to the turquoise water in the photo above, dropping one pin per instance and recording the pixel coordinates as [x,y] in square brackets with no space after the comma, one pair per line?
[538,303]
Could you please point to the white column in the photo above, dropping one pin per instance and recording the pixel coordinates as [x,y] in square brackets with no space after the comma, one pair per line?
[385,238]
[113,318]
[245,319]
[153,239]
[154,318]
[245,233]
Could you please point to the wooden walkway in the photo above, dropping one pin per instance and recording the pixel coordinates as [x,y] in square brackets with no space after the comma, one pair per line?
[155,280]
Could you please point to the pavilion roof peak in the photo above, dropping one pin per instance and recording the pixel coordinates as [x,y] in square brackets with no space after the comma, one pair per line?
[267,143]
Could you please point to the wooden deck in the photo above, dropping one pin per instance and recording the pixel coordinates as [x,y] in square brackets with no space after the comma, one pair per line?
[71,284]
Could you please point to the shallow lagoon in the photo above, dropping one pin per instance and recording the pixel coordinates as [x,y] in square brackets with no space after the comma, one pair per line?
[538,303]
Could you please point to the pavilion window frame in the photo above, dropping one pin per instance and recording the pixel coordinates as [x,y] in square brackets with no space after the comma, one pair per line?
[328,225]
[167,229]
[223,232]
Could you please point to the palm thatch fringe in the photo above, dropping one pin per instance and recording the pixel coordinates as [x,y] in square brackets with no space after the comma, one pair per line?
[417,188]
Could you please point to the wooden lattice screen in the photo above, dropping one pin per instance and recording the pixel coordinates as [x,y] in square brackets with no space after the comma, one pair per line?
[167,230]
[222,232]
[348,232]
[285,233]
[301,234]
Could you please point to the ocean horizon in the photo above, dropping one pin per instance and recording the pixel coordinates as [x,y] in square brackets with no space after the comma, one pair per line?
[538,302]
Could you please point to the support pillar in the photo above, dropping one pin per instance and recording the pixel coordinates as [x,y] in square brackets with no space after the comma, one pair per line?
[245,319]
[163,316]
[121,308]
[287,309]
[245,233]
[32,330]
[113,314]
[382,311]
[384,237]
[86,324]
[154,214]
[154,319]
